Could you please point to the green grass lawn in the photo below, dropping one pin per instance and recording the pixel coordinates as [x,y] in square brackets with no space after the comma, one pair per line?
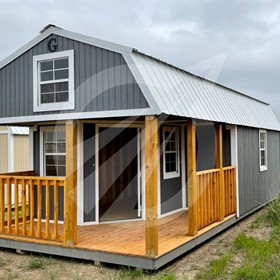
[251,257]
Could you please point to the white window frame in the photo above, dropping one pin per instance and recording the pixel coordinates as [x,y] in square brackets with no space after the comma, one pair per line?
[55,106]
[42,149]
[263,167]
[174,174]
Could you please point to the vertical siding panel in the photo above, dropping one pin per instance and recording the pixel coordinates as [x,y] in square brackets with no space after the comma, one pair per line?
[118,82]
[87,94]
[111,89]
[11,89]
[105,78]
[124,87]
[137,96]
[3,93]
[130,95]
[20,90]
[82,84]
[99,78]
[77,75]
[94,86]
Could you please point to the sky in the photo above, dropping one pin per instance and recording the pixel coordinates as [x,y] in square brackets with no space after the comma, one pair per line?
[235,43]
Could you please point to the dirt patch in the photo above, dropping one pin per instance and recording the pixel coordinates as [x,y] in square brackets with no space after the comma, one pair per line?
[16,266]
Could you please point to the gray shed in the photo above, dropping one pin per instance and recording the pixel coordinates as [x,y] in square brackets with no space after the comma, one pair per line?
[133,161]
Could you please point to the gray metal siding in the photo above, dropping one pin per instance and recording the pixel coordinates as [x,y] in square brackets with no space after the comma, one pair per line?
[170,189]
[205,147]
[205,135]
[255,187]
[103,81]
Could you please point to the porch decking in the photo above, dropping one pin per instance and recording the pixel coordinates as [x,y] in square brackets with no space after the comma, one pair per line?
[127,238]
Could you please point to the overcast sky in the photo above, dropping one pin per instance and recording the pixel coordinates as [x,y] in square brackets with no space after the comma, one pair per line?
[236,43]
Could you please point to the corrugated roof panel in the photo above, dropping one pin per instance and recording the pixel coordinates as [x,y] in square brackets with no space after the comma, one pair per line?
[19,130]
[180,93]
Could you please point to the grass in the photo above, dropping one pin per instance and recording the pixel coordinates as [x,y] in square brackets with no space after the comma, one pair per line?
[127,274]
[259,259]
[2,262]
[35,263]
[216,267]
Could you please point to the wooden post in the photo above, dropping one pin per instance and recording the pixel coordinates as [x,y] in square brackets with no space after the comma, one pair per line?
[151,175]
[192,180]
[219,164]
[70,189]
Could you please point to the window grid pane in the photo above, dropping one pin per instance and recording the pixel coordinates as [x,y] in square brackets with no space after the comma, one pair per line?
[263,155]
[54,150]
[52,91]
[171,152]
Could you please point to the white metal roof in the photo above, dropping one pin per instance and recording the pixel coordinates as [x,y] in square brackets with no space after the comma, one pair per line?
[180,93]
[19,130]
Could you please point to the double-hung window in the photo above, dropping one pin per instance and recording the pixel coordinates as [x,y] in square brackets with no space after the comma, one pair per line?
[54,152]
[263,150]
[170,152]
[53,81]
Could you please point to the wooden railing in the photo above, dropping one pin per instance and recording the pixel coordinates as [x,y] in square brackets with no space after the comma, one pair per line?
[230,190]
[29,206]
[208,185]
[208,201]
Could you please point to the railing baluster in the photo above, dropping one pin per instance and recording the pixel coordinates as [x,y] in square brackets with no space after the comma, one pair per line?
[16,201]
[2,206]
[23,206]
[55,194]
[31,207]
[9,202]
[47,207]
[39,208]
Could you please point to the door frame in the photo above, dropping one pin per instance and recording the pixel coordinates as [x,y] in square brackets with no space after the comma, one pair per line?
[141,174]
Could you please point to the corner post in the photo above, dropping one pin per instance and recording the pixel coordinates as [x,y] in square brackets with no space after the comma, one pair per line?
[151,175]
[192,180]
[219,165]
[70,190]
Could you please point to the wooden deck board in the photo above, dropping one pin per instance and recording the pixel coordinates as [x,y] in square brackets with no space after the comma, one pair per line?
[127,238]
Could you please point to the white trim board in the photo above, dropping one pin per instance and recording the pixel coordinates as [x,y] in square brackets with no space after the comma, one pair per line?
[77,116]
[38,106]
[234,162]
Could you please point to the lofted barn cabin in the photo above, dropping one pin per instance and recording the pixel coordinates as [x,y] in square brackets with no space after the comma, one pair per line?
[132,161]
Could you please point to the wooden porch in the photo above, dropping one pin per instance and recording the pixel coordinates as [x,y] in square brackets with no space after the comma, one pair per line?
[29,205]
[128,238]
[124,238]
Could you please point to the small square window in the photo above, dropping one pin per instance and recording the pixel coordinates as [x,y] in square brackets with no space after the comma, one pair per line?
[53,76]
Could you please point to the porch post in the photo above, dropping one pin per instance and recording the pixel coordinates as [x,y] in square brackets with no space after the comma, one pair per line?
[219,164]
[70,190]
[191,179]
[151,184]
